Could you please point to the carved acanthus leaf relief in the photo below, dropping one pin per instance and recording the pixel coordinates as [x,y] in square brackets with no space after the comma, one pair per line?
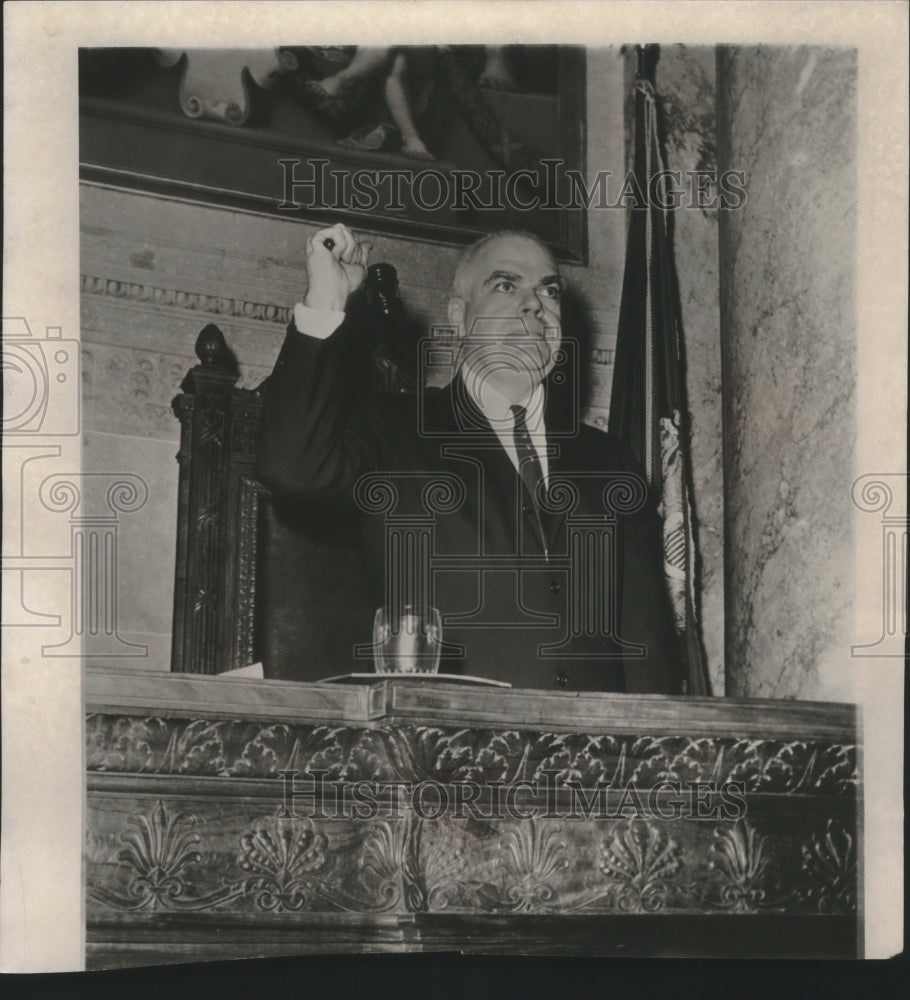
[414,753]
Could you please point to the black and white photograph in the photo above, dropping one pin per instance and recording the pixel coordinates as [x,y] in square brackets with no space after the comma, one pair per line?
[455,493]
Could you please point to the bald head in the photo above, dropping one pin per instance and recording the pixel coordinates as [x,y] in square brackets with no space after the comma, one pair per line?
[505,304]
[461,282]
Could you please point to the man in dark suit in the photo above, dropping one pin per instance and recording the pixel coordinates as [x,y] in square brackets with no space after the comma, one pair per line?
[530,531]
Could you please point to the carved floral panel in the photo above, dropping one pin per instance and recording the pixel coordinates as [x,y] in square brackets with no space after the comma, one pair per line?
[159,855]
[249,749]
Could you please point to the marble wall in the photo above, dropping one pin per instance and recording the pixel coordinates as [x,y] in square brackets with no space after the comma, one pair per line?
[787,117]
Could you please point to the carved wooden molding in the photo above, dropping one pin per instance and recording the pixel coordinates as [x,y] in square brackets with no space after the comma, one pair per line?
[200,302]
[223,306]
[247,554]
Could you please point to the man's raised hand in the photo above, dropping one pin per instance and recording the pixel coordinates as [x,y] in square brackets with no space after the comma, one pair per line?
[336,263]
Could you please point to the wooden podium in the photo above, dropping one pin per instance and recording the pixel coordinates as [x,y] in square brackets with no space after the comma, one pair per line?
[234,818]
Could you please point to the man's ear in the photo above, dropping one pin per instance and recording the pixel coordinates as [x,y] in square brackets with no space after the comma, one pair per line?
[456,315]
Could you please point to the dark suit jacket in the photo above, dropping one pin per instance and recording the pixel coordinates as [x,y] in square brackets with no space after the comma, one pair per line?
[571,599]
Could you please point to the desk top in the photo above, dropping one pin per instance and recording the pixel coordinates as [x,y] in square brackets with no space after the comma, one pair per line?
[390,701]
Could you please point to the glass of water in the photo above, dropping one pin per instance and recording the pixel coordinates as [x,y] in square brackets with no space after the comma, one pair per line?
[407,640]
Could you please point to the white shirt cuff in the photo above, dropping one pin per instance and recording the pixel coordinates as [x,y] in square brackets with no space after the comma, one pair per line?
[318,323]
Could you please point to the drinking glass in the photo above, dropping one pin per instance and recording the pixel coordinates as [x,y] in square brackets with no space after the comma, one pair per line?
[407,640]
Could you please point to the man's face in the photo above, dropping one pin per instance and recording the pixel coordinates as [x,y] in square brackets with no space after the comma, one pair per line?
[510,319]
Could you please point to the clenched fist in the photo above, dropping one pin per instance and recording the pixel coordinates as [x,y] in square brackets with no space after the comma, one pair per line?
[333,273]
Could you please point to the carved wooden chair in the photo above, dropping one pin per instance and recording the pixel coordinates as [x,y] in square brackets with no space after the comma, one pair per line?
[254,581]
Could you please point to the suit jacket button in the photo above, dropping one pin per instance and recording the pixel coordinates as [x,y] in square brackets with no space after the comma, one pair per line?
[526,507]
[562,679]
[555,587]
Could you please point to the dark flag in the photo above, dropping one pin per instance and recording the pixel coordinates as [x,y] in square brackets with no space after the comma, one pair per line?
[647,404]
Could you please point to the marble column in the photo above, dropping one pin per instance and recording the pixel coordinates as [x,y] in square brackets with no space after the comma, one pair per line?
[787,118]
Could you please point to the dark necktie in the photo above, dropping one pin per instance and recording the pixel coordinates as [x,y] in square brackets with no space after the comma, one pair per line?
[528,463]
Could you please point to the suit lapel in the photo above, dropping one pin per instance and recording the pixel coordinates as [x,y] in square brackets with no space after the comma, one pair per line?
[460,423]
[456,417]
[452,414]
